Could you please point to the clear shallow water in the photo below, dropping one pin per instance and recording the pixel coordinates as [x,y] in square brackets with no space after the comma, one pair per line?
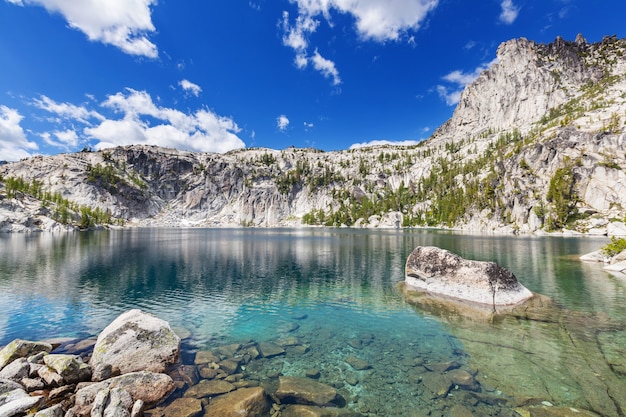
[333,289]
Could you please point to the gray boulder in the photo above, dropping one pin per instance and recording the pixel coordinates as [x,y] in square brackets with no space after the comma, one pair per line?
[14,400]
[112,403]
[441,272]
[20,405]
[16,370]
[135,341]
[21,349]
[54,411]
[70,367]
[149,387]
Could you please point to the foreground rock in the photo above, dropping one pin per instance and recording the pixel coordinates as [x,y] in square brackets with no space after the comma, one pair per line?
[440,272]
[21,349]
[245,402]
[616,263]
[146,386]
[135,341]
[304,391]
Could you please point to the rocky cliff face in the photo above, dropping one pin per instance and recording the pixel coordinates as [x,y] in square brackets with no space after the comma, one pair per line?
[536,143]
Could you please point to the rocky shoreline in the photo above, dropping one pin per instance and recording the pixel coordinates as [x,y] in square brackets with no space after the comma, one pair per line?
[239,379]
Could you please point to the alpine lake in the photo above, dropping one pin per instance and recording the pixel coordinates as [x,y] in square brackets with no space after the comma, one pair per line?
[331,299]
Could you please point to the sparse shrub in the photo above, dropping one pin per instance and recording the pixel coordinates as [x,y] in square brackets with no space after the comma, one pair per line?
[616,246]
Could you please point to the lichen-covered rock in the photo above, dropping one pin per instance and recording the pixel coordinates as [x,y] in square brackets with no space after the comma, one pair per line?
[21,349]
[149,387]
[304,391]
[444,273]
[16,370]
[245,402]
[135,341]
[70,367]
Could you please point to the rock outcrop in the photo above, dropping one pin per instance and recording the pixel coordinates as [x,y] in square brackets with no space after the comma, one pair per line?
[616,263]
[135,341]
[443,273]
[536,143]
[34,378]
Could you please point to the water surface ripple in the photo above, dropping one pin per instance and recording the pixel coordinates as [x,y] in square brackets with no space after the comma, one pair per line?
[333,289]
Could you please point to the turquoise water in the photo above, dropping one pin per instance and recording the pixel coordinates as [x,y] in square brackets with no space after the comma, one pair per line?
[333,289]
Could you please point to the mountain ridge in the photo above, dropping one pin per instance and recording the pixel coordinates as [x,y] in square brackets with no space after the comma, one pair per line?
[535,144]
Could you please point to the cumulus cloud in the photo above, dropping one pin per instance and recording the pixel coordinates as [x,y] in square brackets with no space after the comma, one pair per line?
[374,20]
[384,142]
[509,12]
[190,87]
[139,121]
[282,122]
[125,24]
[457,80]
[143,122]
[377,20]
[13,142]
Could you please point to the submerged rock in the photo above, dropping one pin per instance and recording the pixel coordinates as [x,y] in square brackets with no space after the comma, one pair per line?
[184,407]
[441,272]
[313,411]
[245,402]
[135,341]
[304,391]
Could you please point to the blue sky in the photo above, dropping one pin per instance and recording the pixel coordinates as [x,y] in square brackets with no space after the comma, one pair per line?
[218,75]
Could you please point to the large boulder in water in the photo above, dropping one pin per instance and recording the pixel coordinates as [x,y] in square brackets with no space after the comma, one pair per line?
[441,272]
[135,341]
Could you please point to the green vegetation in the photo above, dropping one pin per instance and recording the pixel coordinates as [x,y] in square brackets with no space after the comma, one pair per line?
[62,210]
[103,176]
[453,187]
[562,196]
[616,246]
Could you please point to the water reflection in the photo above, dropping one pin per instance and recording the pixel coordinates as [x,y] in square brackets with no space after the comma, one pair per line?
[80,281]
[230,285]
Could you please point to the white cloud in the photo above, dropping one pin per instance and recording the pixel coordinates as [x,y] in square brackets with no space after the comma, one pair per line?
[509,12]
[296,36]
[374,19]
[13,142]
[459,79]
[67,110]
[124,24]
[66,139]
[190,87]
[282,122]
[450,97]
[384,142]
[201,131]
[326,67]
[308,125]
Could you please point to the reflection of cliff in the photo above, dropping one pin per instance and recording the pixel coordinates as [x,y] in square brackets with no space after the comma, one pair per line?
[88,277]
